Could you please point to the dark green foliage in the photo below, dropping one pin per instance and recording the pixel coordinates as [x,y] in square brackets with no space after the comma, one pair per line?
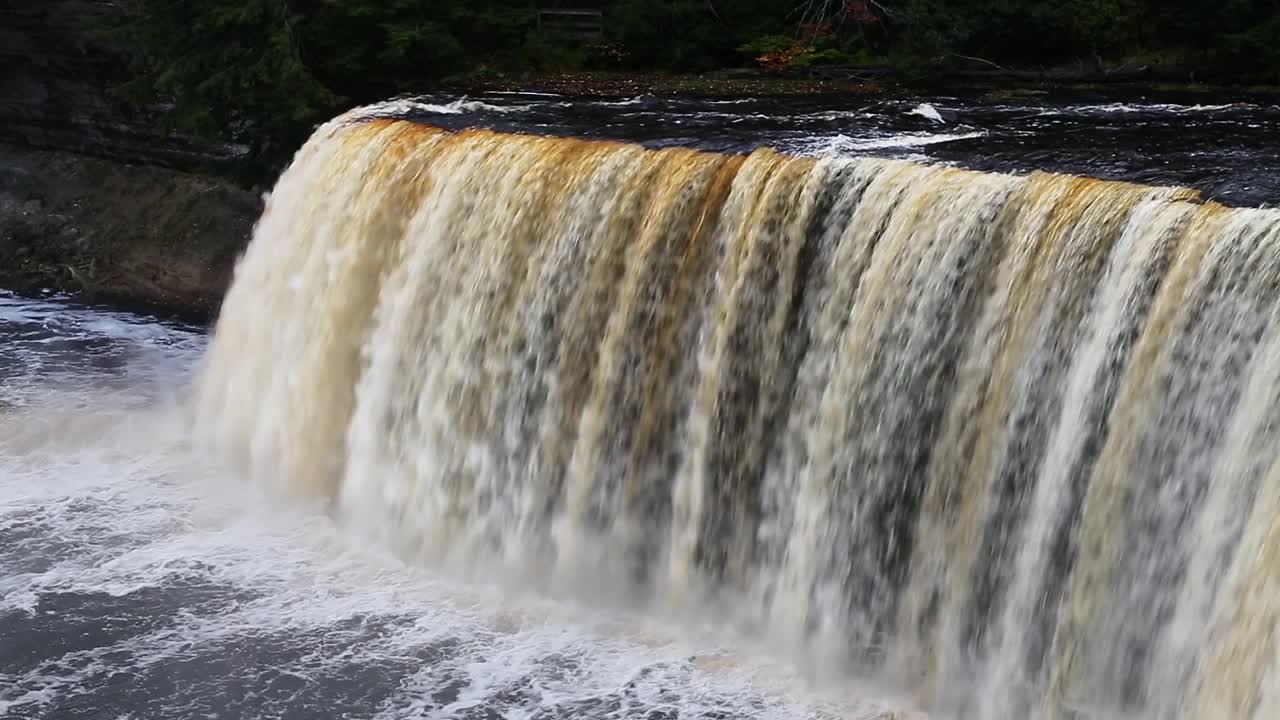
[547,51]
[232,69]
[263,72]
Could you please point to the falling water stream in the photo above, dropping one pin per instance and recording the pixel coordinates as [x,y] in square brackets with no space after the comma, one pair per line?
[502,425]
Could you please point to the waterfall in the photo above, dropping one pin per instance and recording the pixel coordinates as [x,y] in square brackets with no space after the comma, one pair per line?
[1007,442]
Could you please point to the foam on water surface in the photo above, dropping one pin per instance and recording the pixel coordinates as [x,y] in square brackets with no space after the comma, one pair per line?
[141,577]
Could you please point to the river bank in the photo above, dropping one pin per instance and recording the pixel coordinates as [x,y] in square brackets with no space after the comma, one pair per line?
[973,80]
[725,83]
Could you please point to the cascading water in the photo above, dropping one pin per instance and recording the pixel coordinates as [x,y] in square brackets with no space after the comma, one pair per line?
[1008,442]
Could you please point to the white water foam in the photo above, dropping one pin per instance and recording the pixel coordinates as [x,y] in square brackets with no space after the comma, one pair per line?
[140,574]
[414,106]
[1121,108]
[838,145]
[928,112]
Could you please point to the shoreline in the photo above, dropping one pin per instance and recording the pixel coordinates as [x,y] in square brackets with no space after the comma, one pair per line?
[609,84]
[743,82]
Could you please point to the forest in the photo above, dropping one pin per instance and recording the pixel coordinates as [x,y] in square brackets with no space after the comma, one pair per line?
[264,71]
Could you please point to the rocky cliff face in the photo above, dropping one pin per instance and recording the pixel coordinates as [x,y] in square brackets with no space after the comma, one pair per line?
[92,199]
[113,231]
[55,88]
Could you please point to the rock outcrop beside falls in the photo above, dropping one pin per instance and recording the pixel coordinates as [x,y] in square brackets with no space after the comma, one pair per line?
[132,233]
[92,199]
[55,88]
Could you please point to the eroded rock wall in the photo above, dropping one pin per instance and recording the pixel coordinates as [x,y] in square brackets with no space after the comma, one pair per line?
[93,198]
[132,233]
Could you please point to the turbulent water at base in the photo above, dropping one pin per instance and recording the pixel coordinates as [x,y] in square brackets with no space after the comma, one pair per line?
[1006,444]
[141,577]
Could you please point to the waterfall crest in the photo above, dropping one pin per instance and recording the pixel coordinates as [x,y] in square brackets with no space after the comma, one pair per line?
[1010,442]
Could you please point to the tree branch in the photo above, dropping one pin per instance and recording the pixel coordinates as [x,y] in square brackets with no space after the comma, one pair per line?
[978,59]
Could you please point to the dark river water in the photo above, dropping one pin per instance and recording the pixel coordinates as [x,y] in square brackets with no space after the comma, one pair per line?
[1228,147]
[142,578]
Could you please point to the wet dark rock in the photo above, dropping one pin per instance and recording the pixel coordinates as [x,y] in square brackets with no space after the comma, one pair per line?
[137,234]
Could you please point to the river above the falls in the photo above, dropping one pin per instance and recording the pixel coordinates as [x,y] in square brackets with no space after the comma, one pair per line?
[1225,145]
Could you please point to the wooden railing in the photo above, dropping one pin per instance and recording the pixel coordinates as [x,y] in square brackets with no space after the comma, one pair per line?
[586,24]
